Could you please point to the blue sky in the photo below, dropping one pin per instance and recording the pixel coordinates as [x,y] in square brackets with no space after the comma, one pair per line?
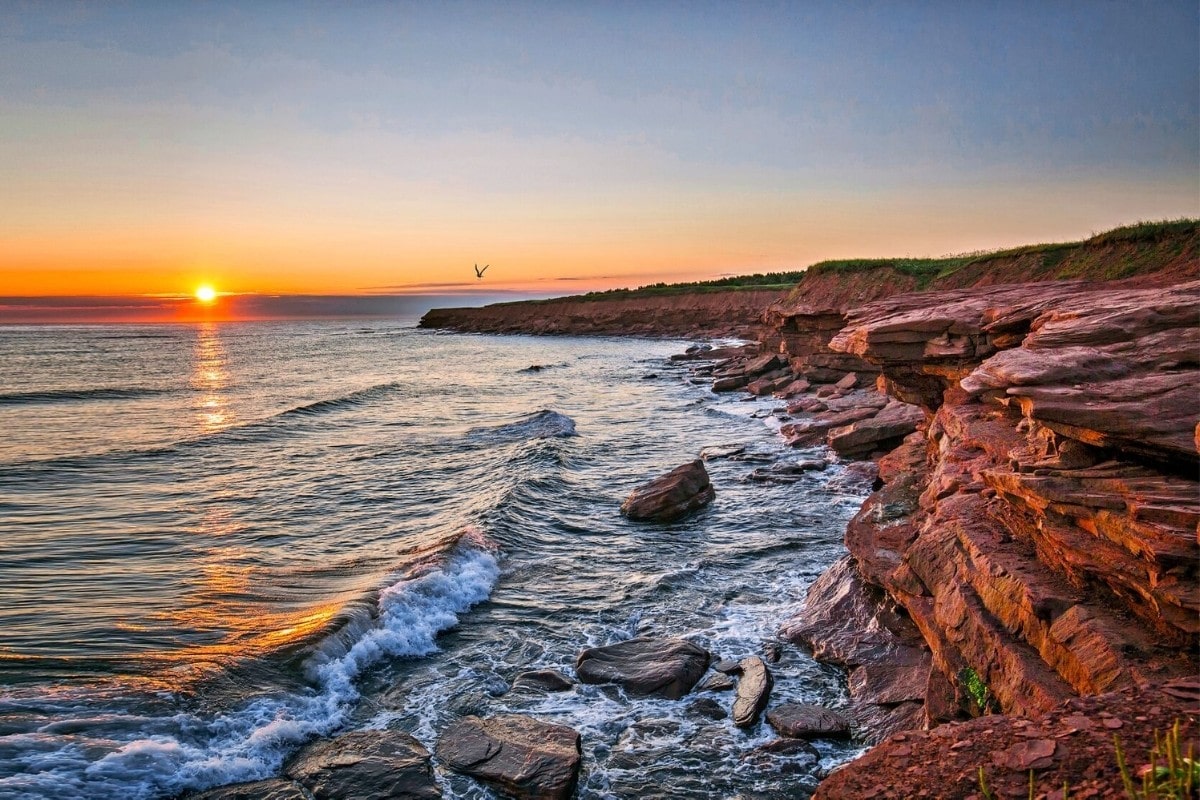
[323,147]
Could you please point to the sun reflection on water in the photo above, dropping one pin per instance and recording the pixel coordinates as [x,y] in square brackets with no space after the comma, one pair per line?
[210,378]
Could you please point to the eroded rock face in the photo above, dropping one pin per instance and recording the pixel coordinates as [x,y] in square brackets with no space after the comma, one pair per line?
[671,496]
[522,756]
[753,691]
[1052,495]
[371,765]
[644,666]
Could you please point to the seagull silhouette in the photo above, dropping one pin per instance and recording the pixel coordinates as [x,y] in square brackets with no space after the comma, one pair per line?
[479,272]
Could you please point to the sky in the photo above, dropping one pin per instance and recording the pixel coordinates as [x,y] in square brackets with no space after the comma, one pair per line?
[368,148]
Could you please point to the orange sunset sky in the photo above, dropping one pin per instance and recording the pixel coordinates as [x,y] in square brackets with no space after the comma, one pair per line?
[385,149]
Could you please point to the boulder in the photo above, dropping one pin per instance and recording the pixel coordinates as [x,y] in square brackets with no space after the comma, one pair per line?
[365,765]
[270,789]
[807,721]
[644,666]
[753,689]
[519,755]
[729,384]
[547,680]
[671,496]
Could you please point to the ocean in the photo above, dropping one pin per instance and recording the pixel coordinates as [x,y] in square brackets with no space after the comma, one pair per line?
[219,541]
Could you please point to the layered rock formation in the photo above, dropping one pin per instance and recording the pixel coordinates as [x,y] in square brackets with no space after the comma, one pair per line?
[1041,532]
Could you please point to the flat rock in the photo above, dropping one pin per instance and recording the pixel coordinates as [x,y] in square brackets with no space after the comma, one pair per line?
[270,789]
[807,721]
[753,689]
[519,755]
[365,765]
[671,496]
[644,666]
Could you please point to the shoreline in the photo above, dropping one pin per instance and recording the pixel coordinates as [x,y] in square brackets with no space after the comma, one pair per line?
[1035,527]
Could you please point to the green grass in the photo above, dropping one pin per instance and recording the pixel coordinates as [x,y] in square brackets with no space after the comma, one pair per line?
[925,271]
[1171,774]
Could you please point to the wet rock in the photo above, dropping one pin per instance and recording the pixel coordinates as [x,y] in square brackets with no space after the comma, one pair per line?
[788,471]
[270,789]
[718,451]
[729,384]
[753,690]
[728,666]
[806,721]
[772,652]
[644,666]
[519,755]
[717,682]
[708,708]
[671,496]
[548,680]
[366,765]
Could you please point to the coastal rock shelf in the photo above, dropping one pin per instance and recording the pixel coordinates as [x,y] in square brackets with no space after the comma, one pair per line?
[1041,531]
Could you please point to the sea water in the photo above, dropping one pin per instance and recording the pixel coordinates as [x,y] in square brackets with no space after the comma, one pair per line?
[220,541]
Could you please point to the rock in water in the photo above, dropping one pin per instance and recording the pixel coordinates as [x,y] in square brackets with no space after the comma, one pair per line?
[548,680]
[752,691]
[270,789]
[805,721]
[671,496]
[524,757]
[661,667]
[365,765]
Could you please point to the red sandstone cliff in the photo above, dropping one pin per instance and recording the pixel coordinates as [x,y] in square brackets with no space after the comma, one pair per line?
[688,314]
[1041,531]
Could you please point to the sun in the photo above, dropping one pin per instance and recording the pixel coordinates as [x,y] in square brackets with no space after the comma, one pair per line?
[206,294]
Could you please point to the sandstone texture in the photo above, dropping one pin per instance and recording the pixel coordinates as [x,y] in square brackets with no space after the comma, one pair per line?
[1040,532]
[365,765]
[644,666]
[519,755]
[1071,744]
[671,496]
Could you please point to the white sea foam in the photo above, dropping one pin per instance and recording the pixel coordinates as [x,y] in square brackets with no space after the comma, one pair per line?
[249,742]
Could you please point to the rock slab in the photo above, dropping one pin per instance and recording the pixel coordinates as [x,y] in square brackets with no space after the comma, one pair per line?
[671,496]
[753,689]
[644,666]
[365,765]
[522,756]
[807,721]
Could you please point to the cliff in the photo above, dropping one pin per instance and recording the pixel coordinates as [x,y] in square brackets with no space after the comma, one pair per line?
[697,314]
[1040,530]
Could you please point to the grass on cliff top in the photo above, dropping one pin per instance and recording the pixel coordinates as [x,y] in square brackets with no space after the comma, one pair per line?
[923,270]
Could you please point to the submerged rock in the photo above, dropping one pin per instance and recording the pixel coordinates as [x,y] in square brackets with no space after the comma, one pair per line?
[753,689]
[671,496]
[365,765]
[660,667]
[522,756]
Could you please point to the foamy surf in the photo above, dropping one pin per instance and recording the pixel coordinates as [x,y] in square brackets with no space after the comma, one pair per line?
[104,756]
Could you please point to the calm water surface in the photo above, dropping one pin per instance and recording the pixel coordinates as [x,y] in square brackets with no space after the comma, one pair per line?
[219,541]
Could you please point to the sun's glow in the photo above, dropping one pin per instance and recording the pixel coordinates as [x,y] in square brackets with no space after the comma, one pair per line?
[206,293]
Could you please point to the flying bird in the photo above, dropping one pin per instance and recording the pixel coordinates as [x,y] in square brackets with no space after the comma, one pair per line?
[479,272]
